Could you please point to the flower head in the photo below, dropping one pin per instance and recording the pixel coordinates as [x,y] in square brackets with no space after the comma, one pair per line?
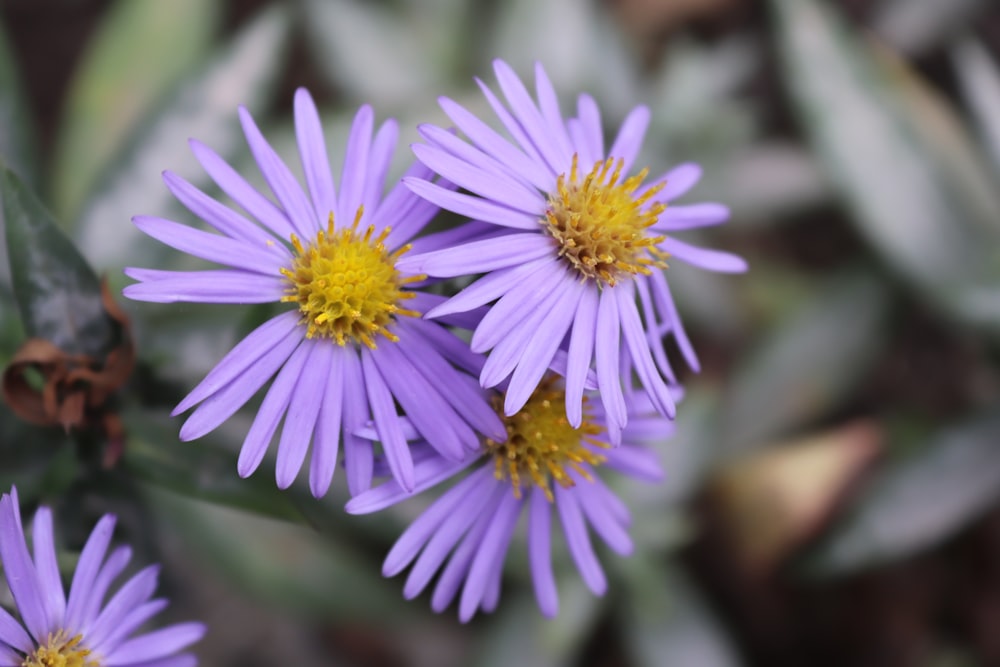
[352,346]
[83,630]
[576,242]
[544,463]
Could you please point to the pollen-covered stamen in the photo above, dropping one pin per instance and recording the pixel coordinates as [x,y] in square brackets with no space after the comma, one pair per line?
[347,285]
[541,444]
[61,650]
[600,224]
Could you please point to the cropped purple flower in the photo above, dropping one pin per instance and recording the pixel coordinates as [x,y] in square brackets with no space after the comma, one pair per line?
[544,463]
[576,240]
[353,345]
[87,629]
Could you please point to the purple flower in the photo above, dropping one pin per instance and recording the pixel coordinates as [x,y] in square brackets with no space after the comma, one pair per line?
[353,345]
[84,630]
[576,240]
[545,462]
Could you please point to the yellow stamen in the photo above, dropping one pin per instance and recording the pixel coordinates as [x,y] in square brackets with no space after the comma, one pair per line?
[541,444]
[600,225]
[347,285]
[61,651]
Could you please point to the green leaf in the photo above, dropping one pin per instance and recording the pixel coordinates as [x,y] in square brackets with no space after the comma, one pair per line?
[665,621]
[17,131]
[808,364]
[205,107]
[979,78]
[57,292]
[918,26]
[138,54]
[911,177]
[918,501]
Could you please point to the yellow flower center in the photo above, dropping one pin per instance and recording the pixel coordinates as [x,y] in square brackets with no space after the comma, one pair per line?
[600,224]
[347,285]
[541,444]
[60,651]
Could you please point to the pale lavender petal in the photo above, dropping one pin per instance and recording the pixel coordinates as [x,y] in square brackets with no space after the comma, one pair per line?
[326,440]
[491,598]
[490,554]
[524,110]
[653,335]
[217,286]
[244,194]
[48,569]
[132,621]
[12,633]
[450,346]
[540,554]
[490,287]
[516,130]
[448,238]
[711,260]
[223,218]
[185,660]
[606,344]
[518,304]
[19,570]
[592,141]
[629,140]
[87,568]
[355,169]
[580,355]
[679,217]
[548,104]
[638,348]
[479,256]
[379,159]
[604,521]
[668,312]
[136,591]
[678,180]
[637,462]
[457,568]
[10,658]
[156,644]
[288,191]
[272,408]
[429,472]
[472,207]
[558,366]
[487,182]
[575,530]
[384,413]
[604,495]
[303,411]
[404,212]
[549,336]
[489,141]
[312,151]
[212,247]
[358,455]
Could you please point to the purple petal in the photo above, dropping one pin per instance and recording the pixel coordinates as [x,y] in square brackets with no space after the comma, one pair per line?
[132,621]
[218,286]
[303,411]
[86,571]
[548,104]
[156,644]
[458,565]
[212,247]
[386,423]
[476,208]
[575,530]
[637,462]
[358,455]
[679,217]
[12,633]
[352,176]
[590,145]
[638,348]
[312,150]
[524,110]
[606,345]
[540,554]
[288,191]
[379,160]
[678,180]
[19,570]
[668,312]
[241,192]
[515,129]
[491,286]
[479,256]
[448,345]
[48,569]
[136,591]
[404,212]
[580,354]
[603,520]
[326,440]
[519,303]
[629,139]
[113,567]
[490,554]
[428,472]
[711,260]
[653,335]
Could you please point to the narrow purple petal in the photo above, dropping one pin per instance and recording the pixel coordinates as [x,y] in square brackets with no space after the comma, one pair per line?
[403,211]
[132,621]
[156,644]
[48,569]
[580,355]
[326,440]
[312,150]
[516,130]
[638,348]
[19,570]
[288,191]
[679,217]
[218,286]
[629,140]
[379,159]
[591,142]
[386,423]
[668,313]
[678,180]
[449,346]
[429,472]
[244,194]
[455,572]
[479,256]
[355,169]
[712,260]
[113,567]
[548,104]
[490,555]
[653,335]
[606,345]
[520,302]
[272,408]
[136,591]
[185,660]
[303,411]
[358,455]
[637,462]
[86,570]
[605,523]
[490,287]
[524,110]
[540,553]
[12,633]
[575,530]
[471,206]
[212,247]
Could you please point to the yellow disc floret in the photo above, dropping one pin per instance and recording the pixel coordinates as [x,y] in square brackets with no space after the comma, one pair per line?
[347,285]
[60,650]
[600,224]
[541,444]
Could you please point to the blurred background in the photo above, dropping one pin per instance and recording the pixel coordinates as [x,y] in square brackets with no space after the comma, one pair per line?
[833,493]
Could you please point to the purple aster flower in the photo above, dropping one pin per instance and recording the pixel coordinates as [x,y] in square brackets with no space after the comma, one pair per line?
[353,346]
[544,462]
[578,241]
[83,630]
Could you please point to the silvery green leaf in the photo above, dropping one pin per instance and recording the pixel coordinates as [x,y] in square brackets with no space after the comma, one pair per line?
[807,364]
[917,26]
[139,53]
[244,72]
[17,131]
[916,502]
[979,78]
